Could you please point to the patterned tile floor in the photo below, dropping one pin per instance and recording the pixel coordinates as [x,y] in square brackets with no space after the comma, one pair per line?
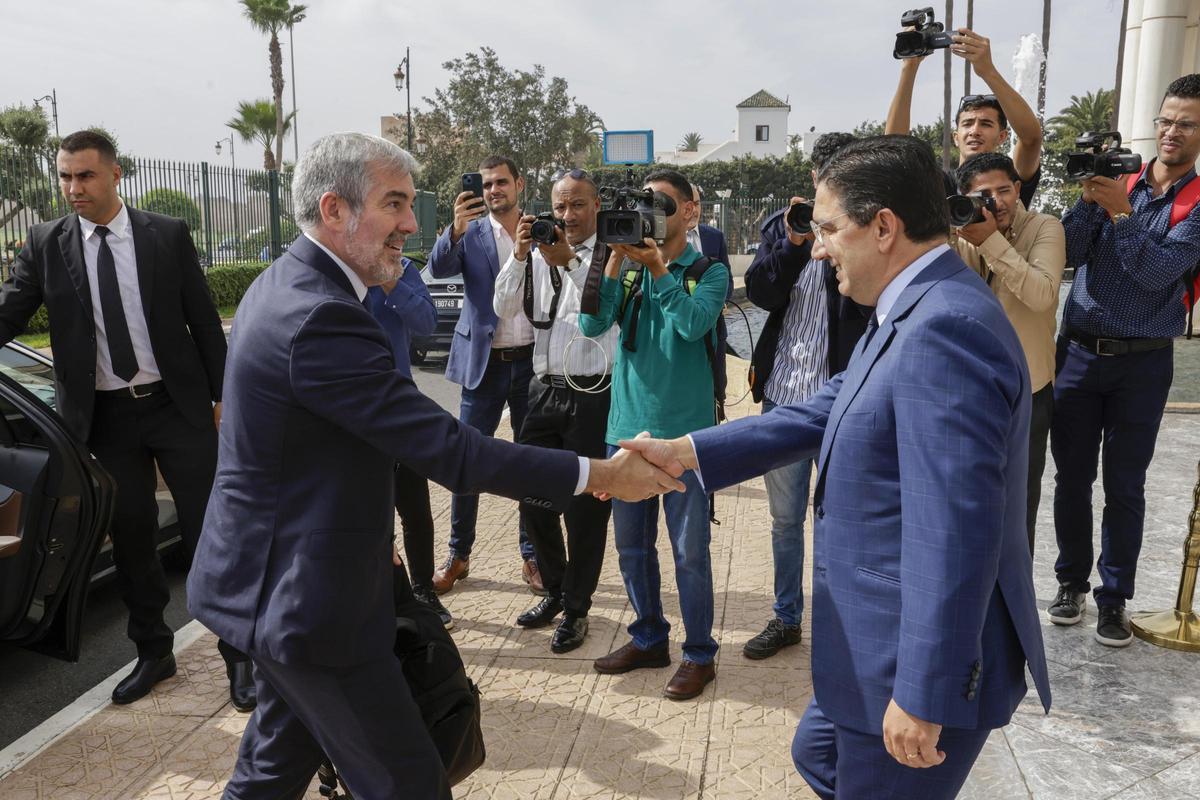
[1126,724]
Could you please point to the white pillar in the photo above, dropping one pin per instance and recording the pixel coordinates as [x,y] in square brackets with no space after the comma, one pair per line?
[1129,65]
[1160,61]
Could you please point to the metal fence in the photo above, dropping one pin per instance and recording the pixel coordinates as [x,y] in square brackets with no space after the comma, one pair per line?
[739,218]
[235,215]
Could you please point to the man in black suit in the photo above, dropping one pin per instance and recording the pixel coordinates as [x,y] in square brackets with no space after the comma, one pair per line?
[139,360]
[295,561]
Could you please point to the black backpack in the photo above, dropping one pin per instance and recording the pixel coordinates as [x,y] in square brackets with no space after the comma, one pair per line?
[448,699]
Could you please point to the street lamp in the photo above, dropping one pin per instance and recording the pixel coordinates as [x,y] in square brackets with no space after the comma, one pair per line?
[404,81]
[53,98]
[237,217]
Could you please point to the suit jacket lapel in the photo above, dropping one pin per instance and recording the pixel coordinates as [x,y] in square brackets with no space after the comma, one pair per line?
[145,249]
[863,360]
[309,253]
[487,241]
[70,244]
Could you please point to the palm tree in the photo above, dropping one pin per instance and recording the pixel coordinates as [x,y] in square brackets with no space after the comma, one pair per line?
[269,17]
[1092,112]
[1041,98]
[255,122]
[691,142]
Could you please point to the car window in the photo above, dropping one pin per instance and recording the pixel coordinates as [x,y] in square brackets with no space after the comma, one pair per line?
[34,376]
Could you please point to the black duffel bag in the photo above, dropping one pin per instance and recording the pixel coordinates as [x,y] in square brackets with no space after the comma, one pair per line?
[448,699]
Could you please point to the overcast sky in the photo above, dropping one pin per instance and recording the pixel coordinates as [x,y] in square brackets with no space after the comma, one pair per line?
[165,75]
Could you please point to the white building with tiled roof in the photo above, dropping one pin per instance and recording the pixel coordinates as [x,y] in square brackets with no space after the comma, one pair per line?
[762,130]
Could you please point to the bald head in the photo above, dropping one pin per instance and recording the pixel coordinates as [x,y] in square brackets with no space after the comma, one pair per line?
[576,202]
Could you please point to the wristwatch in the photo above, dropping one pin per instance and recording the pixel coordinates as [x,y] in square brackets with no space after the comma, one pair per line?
[575,261]
[1119,217]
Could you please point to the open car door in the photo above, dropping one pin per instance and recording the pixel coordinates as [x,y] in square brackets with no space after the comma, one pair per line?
[55,507]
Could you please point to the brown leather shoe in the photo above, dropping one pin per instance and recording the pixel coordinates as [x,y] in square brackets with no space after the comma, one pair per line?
[533,577]
[689,680]
[631,657]
[445,576]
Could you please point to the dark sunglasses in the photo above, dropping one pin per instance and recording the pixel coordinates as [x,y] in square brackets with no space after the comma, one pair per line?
[972,99]
[574,174]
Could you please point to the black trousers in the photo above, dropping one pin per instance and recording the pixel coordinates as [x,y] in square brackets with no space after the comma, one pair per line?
[416,520]
[129,436]
[565,419]
[1041,415]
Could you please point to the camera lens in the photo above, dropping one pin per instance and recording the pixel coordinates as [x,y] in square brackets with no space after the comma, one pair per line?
[799,218]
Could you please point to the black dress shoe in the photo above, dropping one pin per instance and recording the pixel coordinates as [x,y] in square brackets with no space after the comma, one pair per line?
[146,673]
[569,634]
[542,614]
[242,692]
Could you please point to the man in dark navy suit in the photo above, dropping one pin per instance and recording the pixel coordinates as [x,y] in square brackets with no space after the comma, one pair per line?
[295,562]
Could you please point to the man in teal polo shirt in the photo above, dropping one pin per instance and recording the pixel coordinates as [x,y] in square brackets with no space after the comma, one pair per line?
[663,383]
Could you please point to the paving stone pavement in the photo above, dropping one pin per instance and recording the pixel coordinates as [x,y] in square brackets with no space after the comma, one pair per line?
[1125,724]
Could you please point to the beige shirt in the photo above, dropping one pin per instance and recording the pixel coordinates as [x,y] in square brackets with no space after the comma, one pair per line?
[1024,269]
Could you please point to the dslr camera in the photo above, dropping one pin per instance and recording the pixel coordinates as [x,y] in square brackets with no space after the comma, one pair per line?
[634,214]
[546,228]
[925,37]
[1101,155]
[799,218]
[967,209]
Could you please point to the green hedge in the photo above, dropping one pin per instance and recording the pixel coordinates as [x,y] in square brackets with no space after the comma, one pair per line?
[227,283]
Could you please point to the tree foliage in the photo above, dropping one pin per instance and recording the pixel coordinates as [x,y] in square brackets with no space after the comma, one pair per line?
[489,109]
[270,17]
[1090,113]
[22,126]
[256,122]
[691,142]
[173,203]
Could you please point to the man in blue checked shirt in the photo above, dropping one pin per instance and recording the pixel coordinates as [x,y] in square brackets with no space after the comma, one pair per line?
[1115,360]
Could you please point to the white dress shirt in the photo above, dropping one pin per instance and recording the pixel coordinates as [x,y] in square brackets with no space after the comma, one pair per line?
[356,283]
[693,238]
[120,242]
[515,331]
[551,355]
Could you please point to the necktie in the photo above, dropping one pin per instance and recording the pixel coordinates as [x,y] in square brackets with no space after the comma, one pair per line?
[872,329]
[120,346]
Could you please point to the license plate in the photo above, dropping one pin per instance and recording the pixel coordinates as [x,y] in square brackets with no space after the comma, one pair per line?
[449,302]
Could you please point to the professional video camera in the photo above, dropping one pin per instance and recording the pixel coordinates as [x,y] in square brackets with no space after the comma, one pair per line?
[546,229]
[925,37]
[1111,161]
[635,214]
[799,218]
[967,209]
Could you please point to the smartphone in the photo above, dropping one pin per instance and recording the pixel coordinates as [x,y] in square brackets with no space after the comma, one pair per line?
[473,182]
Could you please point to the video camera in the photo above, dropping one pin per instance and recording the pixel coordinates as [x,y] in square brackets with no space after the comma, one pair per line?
[799,218]
[967,209]
[926,37]
[1112,161]
[546,228]
[635,214]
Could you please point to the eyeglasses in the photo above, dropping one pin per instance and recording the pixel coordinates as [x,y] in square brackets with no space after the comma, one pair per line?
[818,228]
[574,174]
[1162,124]
[973,99]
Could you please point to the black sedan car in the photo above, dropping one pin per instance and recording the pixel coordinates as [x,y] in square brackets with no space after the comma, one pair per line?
[447,296]
[55,506]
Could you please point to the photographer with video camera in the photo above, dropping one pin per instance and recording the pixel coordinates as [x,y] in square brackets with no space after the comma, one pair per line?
[666,299]
[981,124]
[1134,241]
[568,397]
[1021,255]
[808,337]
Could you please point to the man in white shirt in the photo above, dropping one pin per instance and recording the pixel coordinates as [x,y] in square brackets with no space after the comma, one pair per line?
[568,398]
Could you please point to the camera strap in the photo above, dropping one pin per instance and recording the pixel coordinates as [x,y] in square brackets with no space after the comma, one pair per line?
[555,283]
[589,301]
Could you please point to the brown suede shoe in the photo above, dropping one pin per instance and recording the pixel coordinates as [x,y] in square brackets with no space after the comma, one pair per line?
[445,576]
[689,680]
[533,577]
[631,657]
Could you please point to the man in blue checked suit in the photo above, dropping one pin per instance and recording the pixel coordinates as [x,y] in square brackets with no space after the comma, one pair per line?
[923,607]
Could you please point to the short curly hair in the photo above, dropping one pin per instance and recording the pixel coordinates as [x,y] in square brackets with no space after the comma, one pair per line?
[826,145]
[981,163]
[1187,87]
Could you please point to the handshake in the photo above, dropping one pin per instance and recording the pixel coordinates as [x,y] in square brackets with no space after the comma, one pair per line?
[643,468]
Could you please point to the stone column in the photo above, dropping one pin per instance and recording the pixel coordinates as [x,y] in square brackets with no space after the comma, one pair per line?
[1160,61]
[1129,68]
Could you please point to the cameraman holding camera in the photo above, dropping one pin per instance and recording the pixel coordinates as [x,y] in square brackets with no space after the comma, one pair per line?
[1021,255]
[808,338]
[1115,358]
[663,384]
[981,124]
[568,397]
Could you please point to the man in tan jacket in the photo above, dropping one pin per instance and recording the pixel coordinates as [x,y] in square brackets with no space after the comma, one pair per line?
[1021,255]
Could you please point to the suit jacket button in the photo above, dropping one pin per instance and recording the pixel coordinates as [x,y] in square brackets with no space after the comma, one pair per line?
[974,684]
[971,694]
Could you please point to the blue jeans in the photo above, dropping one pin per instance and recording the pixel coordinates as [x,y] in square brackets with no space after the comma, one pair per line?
[787,497]
[503,382]
[636,529]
